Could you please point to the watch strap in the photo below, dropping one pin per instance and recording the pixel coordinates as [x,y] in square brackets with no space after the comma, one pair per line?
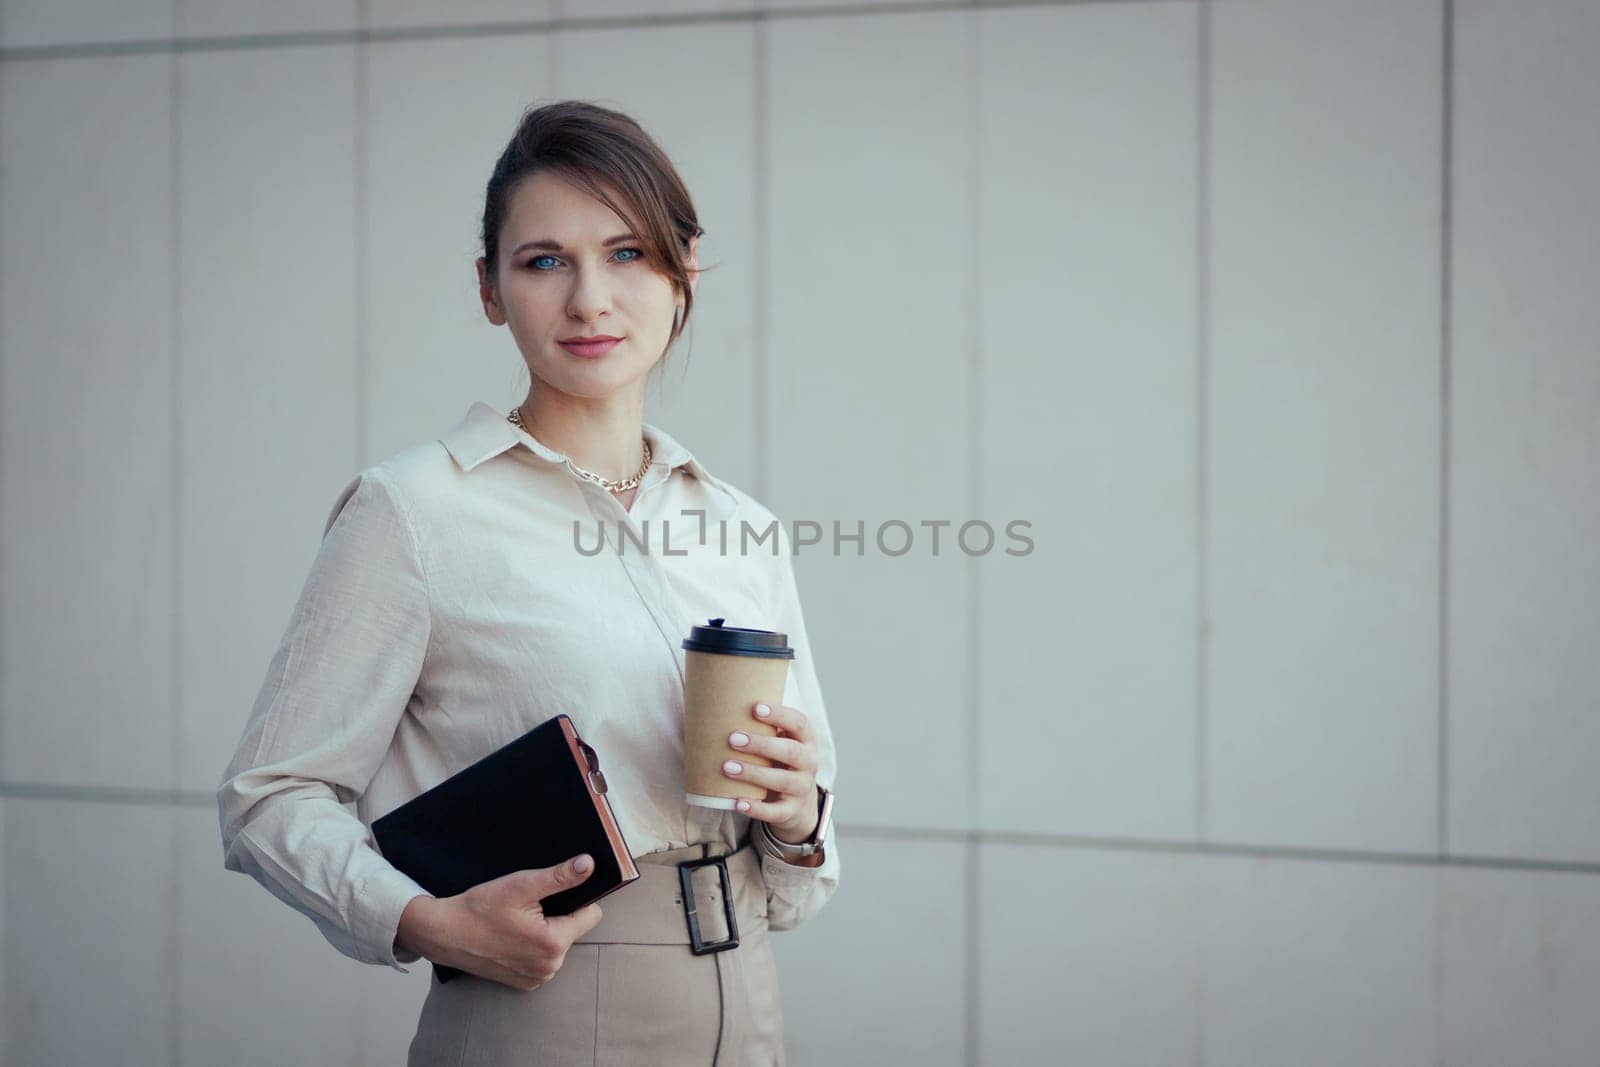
[783,850]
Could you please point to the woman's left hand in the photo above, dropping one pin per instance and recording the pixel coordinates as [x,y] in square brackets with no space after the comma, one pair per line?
[790,808]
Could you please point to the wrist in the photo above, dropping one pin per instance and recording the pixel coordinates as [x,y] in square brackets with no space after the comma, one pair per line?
[418,923]
[801,841]
[795,833]
[814,859]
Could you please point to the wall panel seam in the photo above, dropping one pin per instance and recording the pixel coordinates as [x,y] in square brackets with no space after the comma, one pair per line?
[1445,282]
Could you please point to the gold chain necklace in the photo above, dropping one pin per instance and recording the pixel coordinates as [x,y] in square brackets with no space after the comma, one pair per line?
[515,419]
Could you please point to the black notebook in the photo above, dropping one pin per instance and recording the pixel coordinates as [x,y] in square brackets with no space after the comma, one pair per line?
[535,802]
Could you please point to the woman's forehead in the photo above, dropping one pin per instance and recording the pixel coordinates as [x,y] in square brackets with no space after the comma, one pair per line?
[560,211]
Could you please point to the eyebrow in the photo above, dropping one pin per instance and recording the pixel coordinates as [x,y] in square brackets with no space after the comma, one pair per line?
[548,245]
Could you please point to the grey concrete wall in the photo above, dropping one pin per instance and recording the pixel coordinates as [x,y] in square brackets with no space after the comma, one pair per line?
[1277,321]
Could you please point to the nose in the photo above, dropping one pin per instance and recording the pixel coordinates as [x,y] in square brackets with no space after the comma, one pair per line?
[590,297]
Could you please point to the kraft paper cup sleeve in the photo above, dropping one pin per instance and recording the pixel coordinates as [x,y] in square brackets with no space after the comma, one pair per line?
[719,692]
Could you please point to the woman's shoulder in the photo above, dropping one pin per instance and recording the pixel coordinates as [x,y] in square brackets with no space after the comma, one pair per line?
[745,506]
[422,470]
[389,485]
[413,477]
[764,537]
[418,470]
[747,510]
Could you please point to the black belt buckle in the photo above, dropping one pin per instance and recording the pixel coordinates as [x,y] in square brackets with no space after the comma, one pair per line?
[696,943]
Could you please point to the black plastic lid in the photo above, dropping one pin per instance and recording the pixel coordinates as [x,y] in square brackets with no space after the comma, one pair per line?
[737,641]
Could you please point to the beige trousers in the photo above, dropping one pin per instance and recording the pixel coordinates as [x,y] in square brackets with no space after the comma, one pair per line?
[631,992]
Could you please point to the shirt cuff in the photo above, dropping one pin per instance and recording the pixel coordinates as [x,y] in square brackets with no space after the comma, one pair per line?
[782,875]
[383,898]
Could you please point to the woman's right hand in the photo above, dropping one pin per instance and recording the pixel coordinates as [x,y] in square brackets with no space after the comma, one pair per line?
[498,930]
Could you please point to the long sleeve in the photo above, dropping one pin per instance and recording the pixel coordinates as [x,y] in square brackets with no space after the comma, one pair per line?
[324,718]
[795,893]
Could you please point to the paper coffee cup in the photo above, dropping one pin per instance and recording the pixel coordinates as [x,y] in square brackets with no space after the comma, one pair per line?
[728,670]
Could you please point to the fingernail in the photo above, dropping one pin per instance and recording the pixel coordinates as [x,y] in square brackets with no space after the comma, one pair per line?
[582,864]
[743,805]
[732,766]
[762,711]
[738,739]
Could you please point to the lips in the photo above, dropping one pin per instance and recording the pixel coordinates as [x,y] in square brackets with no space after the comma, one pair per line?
[589,347]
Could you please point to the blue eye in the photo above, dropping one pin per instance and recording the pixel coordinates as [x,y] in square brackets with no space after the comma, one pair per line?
[638,254]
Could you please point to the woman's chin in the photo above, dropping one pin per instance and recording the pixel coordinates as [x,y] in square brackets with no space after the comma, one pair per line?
[598,383]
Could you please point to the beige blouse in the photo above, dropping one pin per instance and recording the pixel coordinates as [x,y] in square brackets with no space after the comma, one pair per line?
[461,596]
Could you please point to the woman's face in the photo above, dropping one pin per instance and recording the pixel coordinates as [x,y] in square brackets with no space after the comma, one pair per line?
[563,275]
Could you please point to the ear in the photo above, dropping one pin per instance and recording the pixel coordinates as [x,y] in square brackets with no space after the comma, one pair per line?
[694,263]
[488,294]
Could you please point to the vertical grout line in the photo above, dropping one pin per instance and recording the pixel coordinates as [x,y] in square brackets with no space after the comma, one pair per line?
[1447,148]
[1202,427]
[175,657]
[974,362]
[360,167]
[1439,877]
[972,1046]
[175,859]
[974,383]
[1202,528]
[761,245]
[2,481]
[175,501]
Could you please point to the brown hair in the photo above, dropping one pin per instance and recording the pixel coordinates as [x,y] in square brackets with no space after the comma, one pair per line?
[610,156]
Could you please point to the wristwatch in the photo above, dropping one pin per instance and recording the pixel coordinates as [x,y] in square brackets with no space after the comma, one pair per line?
[782,850]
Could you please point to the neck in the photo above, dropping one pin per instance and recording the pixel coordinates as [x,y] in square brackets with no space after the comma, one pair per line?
[602,436]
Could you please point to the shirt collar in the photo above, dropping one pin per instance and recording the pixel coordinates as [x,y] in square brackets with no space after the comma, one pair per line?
[484,433]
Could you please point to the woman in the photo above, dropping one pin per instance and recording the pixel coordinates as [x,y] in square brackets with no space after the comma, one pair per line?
[453,605]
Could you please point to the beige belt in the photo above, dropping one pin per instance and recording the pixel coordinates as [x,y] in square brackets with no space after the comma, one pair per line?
[651,911]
